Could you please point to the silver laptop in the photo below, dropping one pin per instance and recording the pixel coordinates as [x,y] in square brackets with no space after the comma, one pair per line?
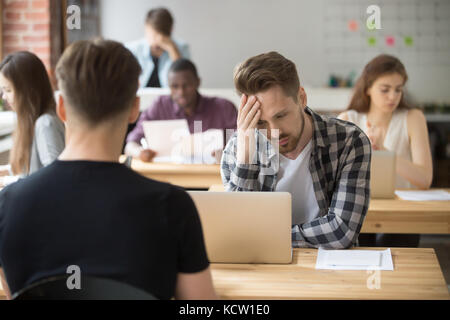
[246,227]
[382,175]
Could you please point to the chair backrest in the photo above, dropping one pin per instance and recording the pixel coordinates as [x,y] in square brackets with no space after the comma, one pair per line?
[92,288]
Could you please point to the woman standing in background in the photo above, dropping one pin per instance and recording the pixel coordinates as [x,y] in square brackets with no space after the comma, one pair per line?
[378,107]
[38,138]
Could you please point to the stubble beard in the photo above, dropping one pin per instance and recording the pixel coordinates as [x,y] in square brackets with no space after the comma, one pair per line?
[297,138]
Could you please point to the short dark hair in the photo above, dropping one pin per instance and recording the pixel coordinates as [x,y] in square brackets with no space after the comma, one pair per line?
[183,64]
[264,71]
[161,20]
[99,78]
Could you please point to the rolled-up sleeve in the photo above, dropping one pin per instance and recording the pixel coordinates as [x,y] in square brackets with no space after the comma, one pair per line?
[238,177]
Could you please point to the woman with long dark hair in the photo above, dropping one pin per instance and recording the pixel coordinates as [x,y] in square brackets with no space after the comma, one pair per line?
[379,108]
[38,138]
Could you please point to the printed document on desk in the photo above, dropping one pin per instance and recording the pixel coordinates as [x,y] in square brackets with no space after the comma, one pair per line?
[173,142]
[354,260]
[163,136]
[427,195]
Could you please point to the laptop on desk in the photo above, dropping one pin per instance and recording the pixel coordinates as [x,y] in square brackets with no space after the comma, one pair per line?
[382,175]
[246,227]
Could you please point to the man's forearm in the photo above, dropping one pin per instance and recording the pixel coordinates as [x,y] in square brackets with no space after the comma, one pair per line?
[238,176]
[312,234]
[241,177]
[174,53]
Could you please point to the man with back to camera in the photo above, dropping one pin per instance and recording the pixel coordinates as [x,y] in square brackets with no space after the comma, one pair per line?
[184,102]
[158,50]
[87,209]
[282,145]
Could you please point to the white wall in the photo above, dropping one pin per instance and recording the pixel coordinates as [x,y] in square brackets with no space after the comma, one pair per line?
[222,33]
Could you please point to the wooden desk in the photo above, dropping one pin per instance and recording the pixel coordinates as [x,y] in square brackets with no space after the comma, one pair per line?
[416,275]
[197,176]
[217,188]
[401,216]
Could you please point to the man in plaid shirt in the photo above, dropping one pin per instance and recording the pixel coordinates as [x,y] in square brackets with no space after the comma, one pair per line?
[282,145]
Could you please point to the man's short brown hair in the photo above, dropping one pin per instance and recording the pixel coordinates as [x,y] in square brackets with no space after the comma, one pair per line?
[264,71]
[161,20]
[98,78]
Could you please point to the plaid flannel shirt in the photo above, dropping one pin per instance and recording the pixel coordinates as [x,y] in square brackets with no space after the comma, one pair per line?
[340,171]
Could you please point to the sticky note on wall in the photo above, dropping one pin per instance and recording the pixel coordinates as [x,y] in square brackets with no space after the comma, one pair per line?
[409,41]
[353,25]
[390,41]
[371,41]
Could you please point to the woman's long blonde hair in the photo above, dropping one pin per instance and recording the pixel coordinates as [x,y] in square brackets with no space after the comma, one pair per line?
[33,97]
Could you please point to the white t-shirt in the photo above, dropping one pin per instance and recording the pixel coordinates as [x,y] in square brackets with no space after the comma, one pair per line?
[294,177]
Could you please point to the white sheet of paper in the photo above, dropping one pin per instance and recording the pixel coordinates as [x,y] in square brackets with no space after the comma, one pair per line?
[428,195]
[165,137]
[205,143]
[354,260]
[174,144]
[361,258]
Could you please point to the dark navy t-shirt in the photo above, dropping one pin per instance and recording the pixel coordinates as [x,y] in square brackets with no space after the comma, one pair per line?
[104,218]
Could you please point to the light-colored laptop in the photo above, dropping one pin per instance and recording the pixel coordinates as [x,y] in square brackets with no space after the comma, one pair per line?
[246,227]
[382,175]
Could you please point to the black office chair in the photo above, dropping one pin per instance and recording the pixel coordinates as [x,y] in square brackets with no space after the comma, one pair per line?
[92,288]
